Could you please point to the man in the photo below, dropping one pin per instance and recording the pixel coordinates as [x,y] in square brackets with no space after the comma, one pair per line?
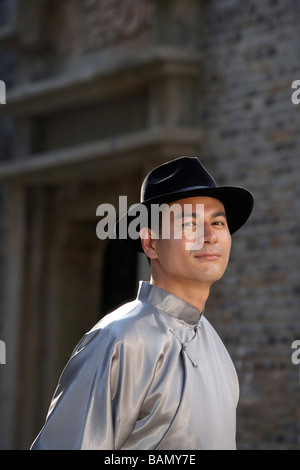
[154,374]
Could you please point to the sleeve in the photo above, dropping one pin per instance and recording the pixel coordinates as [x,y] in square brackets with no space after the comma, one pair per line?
[98,398]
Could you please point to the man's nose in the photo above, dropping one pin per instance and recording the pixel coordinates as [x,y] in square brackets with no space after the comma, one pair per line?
[209,234]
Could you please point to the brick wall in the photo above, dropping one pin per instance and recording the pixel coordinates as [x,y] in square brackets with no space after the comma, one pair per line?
[251,138]
[7,72]
[2,258]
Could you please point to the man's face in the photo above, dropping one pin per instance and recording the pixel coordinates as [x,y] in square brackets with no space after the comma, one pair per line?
[205,261]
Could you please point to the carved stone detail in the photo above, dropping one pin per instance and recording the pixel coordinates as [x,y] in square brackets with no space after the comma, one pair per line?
[107,21]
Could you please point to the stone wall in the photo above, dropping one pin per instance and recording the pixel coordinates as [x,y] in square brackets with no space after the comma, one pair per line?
[251,138]
[7,73]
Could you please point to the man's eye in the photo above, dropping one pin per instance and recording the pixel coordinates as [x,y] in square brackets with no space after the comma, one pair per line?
[188,224]
[218,222]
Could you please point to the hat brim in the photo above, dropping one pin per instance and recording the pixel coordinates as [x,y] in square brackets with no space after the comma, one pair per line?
[238,204]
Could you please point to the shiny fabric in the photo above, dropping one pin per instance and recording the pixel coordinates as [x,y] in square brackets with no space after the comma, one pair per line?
[153,374]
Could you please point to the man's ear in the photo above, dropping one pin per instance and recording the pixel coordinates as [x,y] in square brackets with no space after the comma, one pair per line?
[148,242]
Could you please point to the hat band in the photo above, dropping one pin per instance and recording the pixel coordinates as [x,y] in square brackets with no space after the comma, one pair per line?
[175,191]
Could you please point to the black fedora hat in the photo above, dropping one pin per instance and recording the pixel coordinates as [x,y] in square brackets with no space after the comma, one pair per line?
[182,178]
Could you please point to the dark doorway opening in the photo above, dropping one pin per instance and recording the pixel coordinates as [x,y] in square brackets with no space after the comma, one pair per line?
[119,278]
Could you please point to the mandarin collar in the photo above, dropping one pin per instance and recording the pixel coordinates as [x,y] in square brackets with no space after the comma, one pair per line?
[168,303]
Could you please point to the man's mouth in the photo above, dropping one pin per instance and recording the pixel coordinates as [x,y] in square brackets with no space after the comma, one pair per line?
[208,255]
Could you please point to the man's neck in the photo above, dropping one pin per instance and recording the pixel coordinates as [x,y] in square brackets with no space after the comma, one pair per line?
[195,294]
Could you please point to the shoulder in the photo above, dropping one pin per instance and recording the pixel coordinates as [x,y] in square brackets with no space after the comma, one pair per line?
[130,319]
[133,325]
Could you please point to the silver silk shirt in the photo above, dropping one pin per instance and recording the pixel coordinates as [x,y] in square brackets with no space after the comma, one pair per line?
[152,375]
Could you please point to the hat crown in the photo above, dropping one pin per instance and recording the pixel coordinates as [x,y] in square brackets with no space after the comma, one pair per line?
[176,176]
